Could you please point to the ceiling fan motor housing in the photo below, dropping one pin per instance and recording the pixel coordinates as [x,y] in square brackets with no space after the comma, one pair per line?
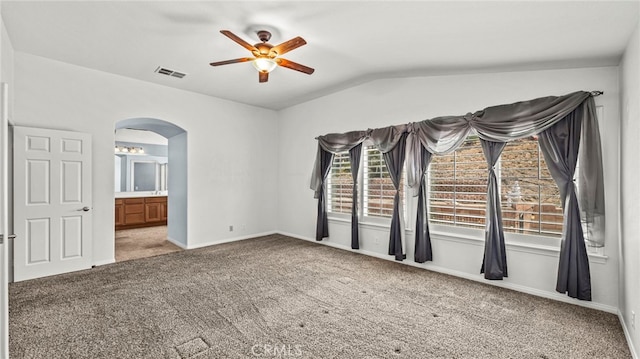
[264,35]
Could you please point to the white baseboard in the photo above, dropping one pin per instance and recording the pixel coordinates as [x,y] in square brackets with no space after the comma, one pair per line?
[104,262]
[179,244]
[627,335]
[227,240]
[477,278]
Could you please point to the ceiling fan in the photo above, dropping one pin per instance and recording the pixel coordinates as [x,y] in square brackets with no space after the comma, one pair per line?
[266,56]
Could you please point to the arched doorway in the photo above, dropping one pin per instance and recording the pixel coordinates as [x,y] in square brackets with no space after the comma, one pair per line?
[176,175]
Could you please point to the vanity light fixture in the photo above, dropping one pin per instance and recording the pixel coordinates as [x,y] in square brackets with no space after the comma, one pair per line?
[130,149]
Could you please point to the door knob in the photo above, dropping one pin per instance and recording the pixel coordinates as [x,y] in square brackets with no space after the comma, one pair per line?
[86,209]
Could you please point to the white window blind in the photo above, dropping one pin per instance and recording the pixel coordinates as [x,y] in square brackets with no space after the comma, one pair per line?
[340,184]
[378,189]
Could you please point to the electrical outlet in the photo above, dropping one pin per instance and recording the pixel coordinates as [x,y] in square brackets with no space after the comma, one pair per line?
[230,228]
[376,240]
[633,320]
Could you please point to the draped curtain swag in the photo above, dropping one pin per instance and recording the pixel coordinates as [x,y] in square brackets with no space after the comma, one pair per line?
[494,263]
[502,123]
[332,144]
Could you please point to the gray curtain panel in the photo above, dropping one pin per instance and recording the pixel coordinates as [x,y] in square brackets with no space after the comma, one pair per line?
[354,158]
[590,179]
[422,251]
[394,160]
[494,263]
[560,144]
[322,226]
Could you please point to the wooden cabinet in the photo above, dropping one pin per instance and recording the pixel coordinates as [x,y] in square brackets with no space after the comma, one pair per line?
[155,209]
[119,212]
[134,211]
[141,212]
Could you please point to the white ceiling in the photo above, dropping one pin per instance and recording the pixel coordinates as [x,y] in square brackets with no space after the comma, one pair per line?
[348,42]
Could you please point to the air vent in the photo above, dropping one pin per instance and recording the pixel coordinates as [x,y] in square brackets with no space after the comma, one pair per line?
[172,73]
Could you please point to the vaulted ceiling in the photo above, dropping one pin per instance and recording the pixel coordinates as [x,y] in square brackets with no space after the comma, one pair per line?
[348,42]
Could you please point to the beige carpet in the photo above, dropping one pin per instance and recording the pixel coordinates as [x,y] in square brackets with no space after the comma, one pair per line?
[278,297]
[143,242]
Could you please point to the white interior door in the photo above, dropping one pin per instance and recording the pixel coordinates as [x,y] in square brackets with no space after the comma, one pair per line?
[52,202]
[4,228]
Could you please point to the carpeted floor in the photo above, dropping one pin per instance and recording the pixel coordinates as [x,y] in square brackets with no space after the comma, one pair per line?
[277,297]
[143,242]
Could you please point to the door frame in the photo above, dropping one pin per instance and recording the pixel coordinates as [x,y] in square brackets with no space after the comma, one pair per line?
[4,222]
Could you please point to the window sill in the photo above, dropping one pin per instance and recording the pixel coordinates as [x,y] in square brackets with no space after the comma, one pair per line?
[365,223]
[515,244]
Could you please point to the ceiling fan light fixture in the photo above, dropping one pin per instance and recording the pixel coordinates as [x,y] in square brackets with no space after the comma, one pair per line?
[266,57]
[264,64]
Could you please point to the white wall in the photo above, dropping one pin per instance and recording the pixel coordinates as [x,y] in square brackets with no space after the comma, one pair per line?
[178,224]
[231,170]
[396,101]
[630,196]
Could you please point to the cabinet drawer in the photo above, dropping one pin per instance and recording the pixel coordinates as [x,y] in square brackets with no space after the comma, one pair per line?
[119,201]
[133,200]
[156,199]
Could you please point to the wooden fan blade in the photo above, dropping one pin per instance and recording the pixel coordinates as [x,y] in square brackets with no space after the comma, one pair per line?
[235,38]
[287,46]
[294,66]
[234,61]
[263,77]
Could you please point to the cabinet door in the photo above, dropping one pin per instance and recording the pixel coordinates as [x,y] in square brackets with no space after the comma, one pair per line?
[119,212]
[153,212]
[165,212]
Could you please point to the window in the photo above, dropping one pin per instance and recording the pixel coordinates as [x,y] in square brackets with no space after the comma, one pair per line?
[529,196]
[377,187]
[458,186]
[340,184]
